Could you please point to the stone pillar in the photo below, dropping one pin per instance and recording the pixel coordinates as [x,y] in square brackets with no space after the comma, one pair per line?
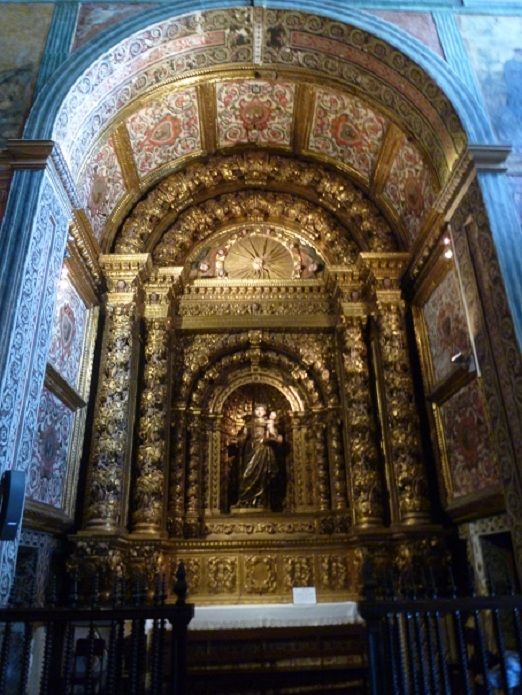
[366,478]
[108,473]
[148,515]
[406,468]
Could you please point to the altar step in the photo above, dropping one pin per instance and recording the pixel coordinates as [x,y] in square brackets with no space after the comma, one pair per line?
[278,661]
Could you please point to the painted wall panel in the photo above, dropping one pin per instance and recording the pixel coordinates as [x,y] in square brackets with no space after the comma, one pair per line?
[48,467]
[23,31]
[70,316]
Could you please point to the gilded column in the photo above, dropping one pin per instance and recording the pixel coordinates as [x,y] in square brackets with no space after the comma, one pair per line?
[402,426]
[148,515]
[177,474]
[193,481]
[337,467]
[319,452]
[366,480]
[108,474]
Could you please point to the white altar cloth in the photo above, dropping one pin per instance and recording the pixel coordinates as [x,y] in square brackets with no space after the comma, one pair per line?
[237,617]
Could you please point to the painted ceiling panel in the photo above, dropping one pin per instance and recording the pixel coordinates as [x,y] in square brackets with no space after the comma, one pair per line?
[255,111]
[345,128]
[165,130]
[409,188]
[147,59]
[101,185]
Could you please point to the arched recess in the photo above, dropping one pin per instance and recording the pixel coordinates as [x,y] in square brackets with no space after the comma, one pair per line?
[199,480]
[441,165]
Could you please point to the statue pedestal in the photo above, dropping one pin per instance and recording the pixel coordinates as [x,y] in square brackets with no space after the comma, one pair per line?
[254,511]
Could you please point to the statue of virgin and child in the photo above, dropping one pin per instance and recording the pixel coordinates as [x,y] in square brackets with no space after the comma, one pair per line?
[260,446]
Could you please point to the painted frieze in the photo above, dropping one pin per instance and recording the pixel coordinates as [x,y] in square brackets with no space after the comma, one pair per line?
[165,130]
[70,316]
[255,111]
[446,325]
[409,188]
[472,463]
[346,129]
[101,185]
[48,467]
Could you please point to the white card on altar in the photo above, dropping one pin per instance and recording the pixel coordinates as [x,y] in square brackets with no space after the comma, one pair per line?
[304,594]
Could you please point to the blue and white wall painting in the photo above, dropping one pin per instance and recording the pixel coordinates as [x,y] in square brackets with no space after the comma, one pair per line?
[494,45]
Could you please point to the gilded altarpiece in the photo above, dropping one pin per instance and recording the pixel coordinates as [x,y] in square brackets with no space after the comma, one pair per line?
[256,416]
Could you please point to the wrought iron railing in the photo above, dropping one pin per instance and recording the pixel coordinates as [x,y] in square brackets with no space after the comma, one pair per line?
[135,643]
[422,643]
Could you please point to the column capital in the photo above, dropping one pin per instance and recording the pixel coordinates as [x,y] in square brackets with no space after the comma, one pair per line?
[124,274]
[387,269]
[159,291]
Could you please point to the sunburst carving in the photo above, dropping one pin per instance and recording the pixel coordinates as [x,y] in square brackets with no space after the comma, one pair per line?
[260,258]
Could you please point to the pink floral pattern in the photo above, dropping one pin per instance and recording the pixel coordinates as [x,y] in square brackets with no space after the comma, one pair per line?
[472,462]
[101,185]
[165,130]
[255,111]
[345,128]
[50,450]
[70,315]
[409,188]
[446,325]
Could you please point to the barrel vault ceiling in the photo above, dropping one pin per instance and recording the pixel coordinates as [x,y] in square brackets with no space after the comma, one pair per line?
[291,83]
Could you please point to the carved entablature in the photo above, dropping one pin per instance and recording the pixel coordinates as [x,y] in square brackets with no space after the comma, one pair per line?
[236,298]
[186,188]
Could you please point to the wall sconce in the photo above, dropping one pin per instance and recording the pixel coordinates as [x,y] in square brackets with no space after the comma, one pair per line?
[465,361]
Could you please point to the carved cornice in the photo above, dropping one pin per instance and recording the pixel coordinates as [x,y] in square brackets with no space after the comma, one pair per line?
[490,157]
[38,155]
[159,291]
[80,275]
[87,246]
[124,272]
[387,269]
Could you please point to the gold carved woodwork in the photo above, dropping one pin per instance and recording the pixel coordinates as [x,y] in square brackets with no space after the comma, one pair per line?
[150,470]
[222,575]
[334,572]
[403,422]
[366,482]
[260,574]
[298,571]
[287,214]
[149,488]
[254,169]
[107,474]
